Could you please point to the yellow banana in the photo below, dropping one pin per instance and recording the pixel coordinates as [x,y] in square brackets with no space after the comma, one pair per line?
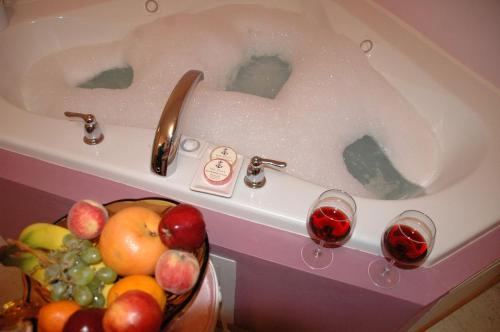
[32,227]
[38,239]
[97,266]
[28,263]
[43,236]
[105,292]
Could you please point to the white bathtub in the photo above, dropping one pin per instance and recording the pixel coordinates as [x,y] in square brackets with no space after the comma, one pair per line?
[462,109]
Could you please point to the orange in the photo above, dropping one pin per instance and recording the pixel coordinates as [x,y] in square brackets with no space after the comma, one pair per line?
[52,316]
[130,242]
[143,283]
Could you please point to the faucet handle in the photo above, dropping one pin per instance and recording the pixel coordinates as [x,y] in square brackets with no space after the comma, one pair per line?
[93,134]
[255,177]
[261,162]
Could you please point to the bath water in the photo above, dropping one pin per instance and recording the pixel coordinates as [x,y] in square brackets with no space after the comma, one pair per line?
[114,78]
[324,95]
[262,76]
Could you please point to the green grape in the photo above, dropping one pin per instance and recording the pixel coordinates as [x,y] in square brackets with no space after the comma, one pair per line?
[95,285]
[68,259]
[106,275]
[82,295]
[52,272]
[84,244]
[80,262]
[58,291]
[82,275]
[70,241]
[74,270]
[91,255]
[99,300]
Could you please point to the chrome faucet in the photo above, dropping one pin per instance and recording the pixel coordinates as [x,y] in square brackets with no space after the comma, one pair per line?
[167,137]
[92,132]
[255,177]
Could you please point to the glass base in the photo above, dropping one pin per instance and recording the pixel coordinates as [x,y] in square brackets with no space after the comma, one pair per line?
[383,274]
[316,257]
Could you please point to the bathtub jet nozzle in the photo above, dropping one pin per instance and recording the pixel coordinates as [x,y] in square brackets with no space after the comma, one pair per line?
[167,136]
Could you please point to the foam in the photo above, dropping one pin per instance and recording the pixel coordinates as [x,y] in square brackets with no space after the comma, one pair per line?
[332,97]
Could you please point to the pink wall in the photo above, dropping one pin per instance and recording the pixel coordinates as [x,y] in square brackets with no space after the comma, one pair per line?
[22,205]
[469,30]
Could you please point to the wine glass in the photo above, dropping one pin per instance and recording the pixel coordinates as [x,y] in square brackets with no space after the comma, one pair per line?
[330,221]
[406,243]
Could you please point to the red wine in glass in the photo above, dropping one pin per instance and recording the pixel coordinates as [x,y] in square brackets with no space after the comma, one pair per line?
[406,242]
[405,245]
[330,221]
[329,224]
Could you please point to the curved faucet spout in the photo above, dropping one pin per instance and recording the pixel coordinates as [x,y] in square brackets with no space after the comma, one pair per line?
[167,137]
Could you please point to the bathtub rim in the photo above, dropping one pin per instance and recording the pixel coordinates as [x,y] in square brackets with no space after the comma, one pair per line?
[447,160]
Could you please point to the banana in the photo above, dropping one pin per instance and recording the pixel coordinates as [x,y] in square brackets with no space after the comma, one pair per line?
[32,252]
[36,236]
[28,263]
[43,236]
[105,292]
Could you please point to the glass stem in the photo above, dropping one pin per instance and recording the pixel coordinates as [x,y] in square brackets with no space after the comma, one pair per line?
[317,250]
[388,267]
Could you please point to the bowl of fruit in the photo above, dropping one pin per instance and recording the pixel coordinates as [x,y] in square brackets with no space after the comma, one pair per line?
[129,265]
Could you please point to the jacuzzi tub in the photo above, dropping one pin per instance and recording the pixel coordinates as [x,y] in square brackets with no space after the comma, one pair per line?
[463,111]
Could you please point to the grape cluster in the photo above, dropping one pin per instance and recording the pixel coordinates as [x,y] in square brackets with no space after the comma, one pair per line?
[76,273]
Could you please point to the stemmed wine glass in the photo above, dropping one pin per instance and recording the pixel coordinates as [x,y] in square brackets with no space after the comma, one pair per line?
[406,243]
[330,221]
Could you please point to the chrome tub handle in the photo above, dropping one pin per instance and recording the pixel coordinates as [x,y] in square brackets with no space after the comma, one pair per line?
[92,132]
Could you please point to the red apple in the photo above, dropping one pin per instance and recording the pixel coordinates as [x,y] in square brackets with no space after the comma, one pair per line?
[177,271]
[85,320]
[182,227]
[86,219]
[132,311]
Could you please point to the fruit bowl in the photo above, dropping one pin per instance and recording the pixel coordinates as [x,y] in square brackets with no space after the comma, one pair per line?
[37,295]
